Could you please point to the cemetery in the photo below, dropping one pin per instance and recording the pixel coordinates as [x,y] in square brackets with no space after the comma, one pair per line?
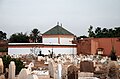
[59,39]
[60,56]
[60,67]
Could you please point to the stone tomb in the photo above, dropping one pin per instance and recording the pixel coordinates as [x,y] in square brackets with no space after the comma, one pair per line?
[1,69]
[52,66]
[51,69]
[59,71]
[72,72]
[32,76]
[1,66]
[23,73]
[86,66]
[2,77]
[12,68]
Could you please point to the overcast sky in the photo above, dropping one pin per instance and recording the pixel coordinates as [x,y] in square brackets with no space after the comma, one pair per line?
[75,15]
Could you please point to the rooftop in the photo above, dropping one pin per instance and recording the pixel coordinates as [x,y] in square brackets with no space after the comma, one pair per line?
[57,30]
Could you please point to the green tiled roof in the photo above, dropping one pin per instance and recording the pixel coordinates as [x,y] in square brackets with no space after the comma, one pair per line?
[58,30]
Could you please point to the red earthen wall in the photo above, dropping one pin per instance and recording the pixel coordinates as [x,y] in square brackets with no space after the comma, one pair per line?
[90,45]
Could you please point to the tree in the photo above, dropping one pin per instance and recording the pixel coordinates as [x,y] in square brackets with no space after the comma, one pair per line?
[2,35]
[90,31]
[117,31]
[110,33]
[98,32]
[19,38]
[35,36]
[104,33]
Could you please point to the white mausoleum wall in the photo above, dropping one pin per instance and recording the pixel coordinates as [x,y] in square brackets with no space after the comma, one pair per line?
[66,40]
[50,40]
[55,40]
[45,51]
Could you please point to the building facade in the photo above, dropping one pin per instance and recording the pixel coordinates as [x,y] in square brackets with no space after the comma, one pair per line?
[58,35]
[57,40]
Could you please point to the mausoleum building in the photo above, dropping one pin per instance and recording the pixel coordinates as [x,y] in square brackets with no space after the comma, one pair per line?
[58,35]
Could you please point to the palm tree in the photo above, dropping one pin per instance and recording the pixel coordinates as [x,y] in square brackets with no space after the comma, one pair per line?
[35,36]
[2,35]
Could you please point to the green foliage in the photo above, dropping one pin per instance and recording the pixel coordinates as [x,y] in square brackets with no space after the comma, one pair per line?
[90,31]
[19,65]
[35,36]
[3,49]
[19,38]
[7,59]
[104,33]
[2,35]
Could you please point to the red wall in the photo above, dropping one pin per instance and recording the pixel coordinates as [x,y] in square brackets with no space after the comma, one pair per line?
[107,44]
[90,45]
[83,46]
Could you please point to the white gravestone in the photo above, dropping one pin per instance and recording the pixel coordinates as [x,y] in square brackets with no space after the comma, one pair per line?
[23,73]
[30,66]
[40,58]
[51,69]
[75,62]
[1,66]
[59,71]
[32,76]
[11,70]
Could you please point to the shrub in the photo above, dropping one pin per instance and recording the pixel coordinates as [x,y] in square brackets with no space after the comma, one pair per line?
[6,61]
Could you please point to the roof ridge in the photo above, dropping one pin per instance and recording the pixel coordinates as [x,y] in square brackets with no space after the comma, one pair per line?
[58,30]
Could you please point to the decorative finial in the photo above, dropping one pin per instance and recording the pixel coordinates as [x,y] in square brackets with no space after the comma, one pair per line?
[57,23]
[61,24]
